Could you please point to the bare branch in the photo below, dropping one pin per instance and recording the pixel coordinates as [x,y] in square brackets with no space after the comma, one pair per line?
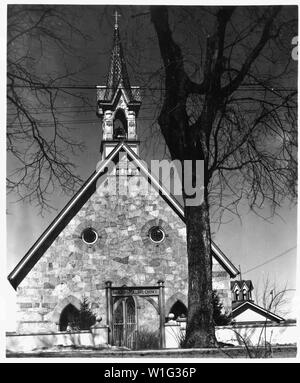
[265,37]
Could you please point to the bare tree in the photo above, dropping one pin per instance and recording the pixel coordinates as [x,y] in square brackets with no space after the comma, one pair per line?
[41,43]
[232,104]
[273,296]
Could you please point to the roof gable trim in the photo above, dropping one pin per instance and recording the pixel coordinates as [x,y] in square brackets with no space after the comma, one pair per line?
[252,306]
[219,255]
[61,215]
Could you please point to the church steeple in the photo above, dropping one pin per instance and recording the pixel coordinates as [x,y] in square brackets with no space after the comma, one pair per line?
[117,74]
[118,101]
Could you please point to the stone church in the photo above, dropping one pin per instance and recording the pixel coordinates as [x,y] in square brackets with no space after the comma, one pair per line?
[104,239]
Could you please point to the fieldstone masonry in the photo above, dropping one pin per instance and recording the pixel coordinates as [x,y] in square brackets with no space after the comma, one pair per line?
[123,254]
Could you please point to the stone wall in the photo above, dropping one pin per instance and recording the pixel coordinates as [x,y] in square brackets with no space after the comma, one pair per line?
[276,334]
[123,254]
[28,342]
[258,334]
[252,335]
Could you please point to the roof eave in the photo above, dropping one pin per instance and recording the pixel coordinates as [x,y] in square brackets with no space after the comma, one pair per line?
[239,309]
[43,243]
[25,265]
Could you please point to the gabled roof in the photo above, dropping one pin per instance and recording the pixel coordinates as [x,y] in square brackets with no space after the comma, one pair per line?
[241,284]
[247,305]
[80,198]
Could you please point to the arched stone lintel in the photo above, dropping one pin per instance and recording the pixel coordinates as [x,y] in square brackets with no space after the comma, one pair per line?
[152,301]
[149,299]
[62,304]
[173,299]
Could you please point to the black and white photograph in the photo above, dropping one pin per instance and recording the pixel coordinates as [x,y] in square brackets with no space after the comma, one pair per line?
[151,183]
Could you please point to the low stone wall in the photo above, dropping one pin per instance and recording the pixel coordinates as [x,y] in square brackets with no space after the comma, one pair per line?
[29,342]
[225,353]
[174,332]
[274,334]
[237,335]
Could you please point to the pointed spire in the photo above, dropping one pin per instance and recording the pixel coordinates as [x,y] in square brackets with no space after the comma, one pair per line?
[117,71]
[117,78]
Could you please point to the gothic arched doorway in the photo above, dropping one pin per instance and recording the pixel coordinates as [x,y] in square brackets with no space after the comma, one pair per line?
[70,315]
[125,323]
[178,309]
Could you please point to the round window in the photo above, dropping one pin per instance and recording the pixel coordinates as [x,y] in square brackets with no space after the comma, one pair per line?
[156,234]
[89,236]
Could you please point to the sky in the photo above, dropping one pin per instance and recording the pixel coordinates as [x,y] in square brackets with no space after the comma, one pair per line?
[262,249]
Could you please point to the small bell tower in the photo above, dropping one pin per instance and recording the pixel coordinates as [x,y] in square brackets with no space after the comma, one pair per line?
[118,102]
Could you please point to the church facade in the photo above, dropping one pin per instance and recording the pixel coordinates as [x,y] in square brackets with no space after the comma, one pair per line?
[104,236]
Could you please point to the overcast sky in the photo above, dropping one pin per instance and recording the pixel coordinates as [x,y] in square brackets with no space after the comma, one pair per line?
[249,242]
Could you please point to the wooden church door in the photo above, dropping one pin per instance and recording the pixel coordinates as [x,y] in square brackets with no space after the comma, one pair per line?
[125,323]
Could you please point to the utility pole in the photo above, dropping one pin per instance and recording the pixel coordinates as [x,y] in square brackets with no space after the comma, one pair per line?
[240,273]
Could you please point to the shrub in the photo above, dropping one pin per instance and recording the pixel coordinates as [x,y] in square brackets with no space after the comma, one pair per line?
[147,339]
[220,318]
[86,317]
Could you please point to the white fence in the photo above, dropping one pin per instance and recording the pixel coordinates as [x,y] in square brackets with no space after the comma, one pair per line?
[28,342]
[239,334]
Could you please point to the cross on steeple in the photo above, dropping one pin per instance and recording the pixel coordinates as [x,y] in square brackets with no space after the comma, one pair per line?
[116,15]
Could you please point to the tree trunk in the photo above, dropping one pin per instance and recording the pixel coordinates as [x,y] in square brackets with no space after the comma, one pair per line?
[184,143]
[200,325]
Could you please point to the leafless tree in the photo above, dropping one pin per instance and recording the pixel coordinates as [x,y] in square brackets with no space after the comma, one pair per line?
[229,100]
[41,42]
[273,296]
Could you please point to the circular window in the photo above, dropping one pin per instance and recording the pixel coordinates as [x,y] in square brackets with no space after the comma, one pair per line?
[89,236]
[156,234]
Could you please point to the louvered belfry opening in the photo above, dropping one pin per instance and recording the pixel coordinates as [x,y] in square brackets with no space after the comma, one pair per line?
[120,128]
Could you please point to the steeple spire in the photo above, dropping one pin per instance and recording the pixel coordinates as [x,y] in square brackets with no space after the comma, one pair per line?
[118,102]
[117,75]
